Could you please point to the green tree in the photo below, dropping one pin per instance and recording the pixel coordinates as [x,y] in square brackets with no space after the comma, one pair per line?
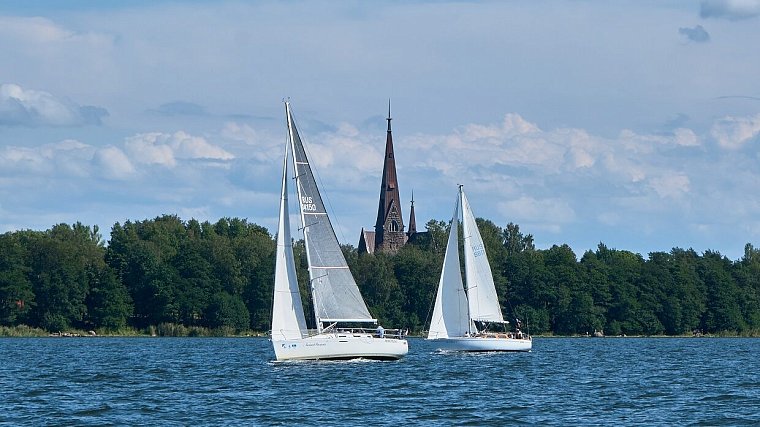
[227,310]
[723,310]
[108,303]
[16,294]
[378,285]
[747,276]
[417,272]
[61,259]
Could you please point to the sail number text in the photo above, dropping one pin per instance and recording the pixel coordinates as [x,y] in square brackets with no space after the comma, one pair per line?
[307,204]
[478,250]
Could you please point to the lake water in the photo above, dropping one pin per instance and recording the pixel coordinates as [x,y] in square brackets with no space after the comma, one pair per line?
[233,381]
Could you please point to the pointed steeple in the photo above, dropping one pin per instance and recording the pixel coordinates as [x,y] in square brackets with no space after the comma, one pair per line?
[389,116]
[412,220]
[389,227]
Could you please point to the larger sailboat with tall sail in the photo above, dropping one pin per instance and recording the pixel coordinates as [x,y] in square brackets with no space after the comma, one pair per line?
[461,321]
[338,304]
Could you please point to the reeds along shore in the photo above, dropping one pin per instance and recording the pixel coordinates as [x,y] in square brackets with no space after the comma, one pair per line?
[176,330]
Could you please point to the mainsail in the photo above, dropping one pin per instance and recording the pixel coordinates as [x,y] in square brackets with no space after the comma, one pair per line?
[450,317]
[335,294]
[288,320]
[481,292]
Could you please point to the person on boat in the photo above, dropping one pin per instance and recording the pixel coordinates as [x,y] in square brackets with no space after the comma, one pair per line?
[518,332]
[380,331]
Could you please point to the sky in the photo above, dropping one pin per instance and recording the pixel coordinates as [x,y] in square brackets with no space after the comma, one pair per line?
[632,123]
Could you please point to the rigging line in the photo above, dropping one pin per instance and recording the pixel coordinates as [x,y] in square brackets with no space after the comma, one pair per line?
[325,197]
[307,226]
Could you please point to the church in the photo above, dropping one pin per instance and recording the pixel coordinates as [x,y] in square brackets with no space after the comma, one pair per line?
[389,234]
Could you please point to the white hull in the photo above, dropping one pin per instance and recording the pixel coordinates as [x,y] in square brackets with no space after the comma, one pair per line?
[340,346]
[482,344]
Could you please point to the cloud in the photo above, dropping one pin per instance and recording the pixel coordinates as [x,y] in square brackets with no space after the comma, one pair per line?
[32,108]
[696,34]
[165,149]
[243,133]
[112,163]
[67,158]
[734,132]
[730,9]
[39,30]
[671,186]
[685,138]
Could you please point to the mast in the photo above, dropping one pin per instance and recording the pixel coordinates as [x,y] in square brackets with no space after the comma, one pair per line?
[470,323]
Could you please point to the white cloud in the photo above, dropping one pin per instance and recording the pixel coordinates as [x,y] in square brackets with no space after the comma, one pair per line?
[671,186]
[34,29]
[238,132]
[346,156]
[165,149]
[194,147]
[25,107]
[112,163]
[733,132]
[685,138]
[65,158]
[150,148]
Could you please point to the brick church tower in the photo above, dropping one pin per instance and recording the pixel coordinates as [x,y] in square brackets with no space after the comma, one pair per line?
[389,227]
[389,235]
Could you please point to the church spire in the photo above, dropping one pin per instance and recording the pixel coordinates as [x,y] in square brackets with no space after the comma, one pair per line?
[389,116]
[389,227]
[412,220]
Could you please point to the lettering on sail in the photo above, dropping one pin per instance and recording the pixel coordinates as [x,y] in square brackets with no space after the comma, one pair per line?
[307,204]
[478,250]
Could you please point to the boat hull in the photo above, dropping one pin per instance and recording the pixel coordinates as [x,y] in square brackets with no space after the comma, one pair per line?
[338,346]
[482,344]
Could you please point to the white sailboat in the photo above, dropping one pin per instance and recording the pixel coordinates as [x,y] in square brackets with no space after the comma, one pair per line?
[336,298]
[457,315]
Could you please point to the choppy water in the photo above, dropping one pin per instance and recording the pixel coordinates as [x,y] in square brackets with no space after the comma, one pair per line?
[216,381]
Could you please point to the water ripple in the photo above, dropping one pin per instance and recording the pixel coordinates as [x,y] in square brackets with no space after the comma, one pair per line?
[217,381]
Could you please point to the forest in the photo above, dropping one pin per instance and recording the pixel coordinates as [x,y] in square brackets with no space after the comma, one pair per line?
[164,274]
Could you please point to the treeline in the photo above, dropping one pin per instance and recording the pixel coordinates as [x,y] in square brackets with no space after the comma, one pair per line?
[185,274]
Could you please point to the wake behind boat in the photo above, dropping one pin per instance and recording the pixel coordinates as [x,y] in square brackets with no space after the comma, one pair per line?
[461,320]
[337,302]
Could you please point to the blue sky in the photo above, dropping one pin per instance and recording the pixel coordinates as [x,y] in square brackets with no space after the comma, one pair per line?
[633,123]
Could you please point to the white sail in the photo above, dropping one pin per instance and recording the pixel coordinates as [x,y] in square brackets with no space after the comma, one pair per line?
[335,295]
[450,317]
[481,292]
[288,320]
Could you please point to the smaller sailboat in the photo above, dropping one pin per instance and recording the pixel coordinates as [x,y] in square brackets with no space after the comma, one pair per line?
[337,302]
[461,321]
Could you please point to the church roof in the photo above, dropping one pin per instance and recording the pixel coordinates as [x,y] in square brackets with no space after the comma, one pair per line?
[366,242]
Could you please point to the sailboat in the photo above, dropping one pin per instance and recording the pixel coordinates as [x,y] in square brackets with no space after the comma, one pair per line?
[461,320]
[336,299]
